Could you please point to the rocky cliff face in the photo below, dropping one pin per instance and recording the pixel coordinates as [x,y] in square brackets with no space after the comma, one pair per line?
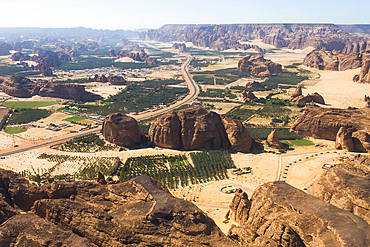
[273,140]
[326,123]
[137,212]
[256,64]
[346,186]
[293,36]
[179,46]
[364,76]
[280,215]
[334,60]
[22,87]
[356,47]
[121,130]
[198,128]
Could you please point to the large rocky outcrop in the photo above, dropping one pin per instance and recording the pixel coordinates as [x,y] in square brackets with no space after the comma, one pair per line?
[198,128]
[140,57]
[4,48]
[227,36]
[326,123]
[334,60]
[248,96]
[128,45]
[346,186]
[297,92]
[273,140]
[179,46]
[113,80]
[139,212]
[256,64]
[254,84]
[364,76]
[22,87]
[280,215]
[304,99]
[357,47]
[121,129]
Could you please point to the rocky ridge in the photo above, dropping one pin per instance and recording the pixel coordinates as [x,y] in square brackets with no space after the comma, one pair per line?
[256,64]
[348,127]
[280,215]
[140,57]
[229,36]
[137,212]
[197,128]
[22,87]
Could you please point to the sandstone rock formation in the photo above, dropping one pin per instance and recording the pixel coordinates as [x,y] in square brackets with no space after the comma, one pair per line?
[273,140]
[314,97]
[367,100]
[4,48]
[128,45]
[346,186]
[364,76]
[254,84]
[334,60]
[137,212]
[344,140]
[121,130]
[113,80]
[82,46]
[297,92]
[325,123]
[198,128]
[293,36]
[248,96]
[357,47]
[255,64]
[280,215]
[112,53]
[179,46]
[22,87]
[140,57]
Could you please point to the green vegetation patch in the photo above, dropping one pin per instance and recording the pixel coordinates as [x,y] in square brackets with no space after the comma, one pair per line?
[240,113]
[12,69]
[28,104]
[302,142]
[290,78]
[175,170]
[261,133]
[74,119]
[28,115]
[14,130]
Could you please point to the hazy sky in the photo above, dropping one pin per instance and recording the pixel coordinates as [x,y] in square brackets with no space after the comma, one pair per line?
[134,14]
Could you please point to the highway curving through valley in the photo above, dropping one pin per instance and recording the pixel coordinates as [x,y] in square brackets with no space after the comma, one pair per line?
[193,93]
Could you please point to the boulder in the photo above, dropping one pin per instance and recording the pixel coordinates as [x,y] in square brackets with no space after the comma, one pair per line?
[314,97]
[273,140]
[248,96]
[346,186]
[254,84]
[197,128]
[255,64]
[280,215]
[121,130]
[100,178]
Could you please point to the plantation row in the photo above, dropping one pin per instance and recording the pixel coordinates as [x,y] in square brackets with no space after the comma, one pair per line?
[20,116]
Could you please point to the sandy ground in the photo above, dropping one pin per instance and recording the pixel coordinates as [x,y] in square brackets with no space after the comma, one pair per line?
[225,107]
[103,89]
[338,89]
[126,60]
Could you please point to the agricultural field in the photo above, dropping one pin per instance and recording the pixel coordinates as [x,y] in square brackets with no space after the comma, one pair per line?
[74,119]
[4,114]
[261,133]
[14,130]
[27,115]
[298,142]
[28,104]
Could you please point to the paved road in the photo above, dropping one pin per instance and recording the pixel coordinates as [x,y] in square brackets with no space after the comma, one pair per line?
[194,91]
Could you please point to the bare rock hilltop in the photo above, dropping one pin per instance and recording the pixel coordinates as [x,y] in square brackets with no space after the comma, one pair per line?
[138,212]
[346,186]
[227,36]
[198,128]
[256,64]
[280,215]
[22,87]
[326,123]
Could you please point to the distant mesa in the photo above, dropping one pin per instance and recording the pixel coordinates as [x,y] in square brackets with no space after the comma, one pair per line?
[273,140]
[197,128]
[335,60]
[179,46]
[254,84]
[248,96]
[22,87]
[121,130]
[348,127]
[227,36]
[140,57]
[256,64]
[128,45]
[279,214]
